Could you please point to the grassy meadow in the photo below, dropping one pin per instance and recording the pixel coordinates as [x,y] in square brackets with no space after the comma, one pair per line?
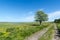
[18,31]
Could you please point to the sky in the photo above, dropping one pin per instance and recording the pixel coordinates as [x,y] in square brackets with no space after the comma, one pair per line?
[24,10]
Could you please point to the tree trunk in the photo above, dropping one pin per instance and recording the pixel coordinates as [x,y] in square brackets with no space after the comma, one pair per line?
[40,22]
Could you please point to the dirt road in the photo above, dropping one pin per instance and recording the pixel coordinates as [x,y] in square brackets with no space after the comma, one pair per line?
[55,35]
[37,35]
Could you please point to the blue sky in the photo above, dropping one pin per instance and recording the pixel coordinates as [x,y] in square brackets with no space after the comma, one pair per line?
[24,10]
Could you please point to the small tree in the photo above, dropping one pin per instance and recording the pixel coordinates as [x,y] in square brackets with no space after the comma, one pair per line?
[41,16]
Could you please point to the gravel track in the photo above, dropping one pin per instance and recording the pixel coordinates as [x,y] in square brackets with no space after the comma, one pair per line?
[37,35]
[55,35]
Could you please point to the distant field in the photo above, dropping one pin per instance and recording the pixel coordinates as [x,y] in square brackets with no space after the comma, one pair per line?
[18,31]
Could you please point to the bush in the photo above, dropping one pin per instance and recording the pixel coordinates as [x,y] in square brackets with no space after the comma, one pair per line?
[57,21]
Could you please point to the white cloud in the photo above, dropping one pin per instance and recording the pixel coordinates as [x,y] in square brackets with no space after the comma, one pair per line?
[51,16]
[21,19]
[41,9]
[30,12]
[29,18]
[26,19]
[54,15]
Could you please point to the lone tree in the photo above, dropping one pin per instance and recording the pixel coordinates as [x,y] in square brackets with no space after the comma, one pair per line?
[41,16]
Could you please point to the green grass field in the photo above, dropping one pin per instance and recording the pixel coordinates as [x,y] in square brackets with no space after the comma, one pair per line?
[18,31]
